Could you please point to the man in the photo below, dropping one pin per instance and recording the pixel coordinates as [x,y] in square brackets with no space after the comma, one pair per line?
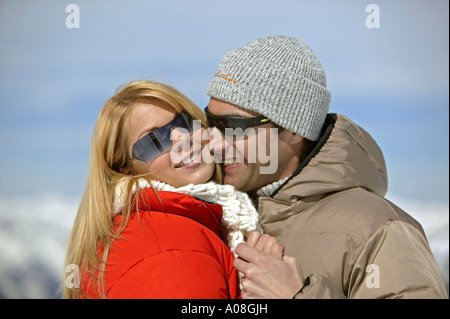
[325,202]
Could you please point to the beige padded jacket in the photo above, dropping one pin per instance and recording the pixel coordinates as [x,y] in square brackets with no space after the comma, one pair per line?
[348,239]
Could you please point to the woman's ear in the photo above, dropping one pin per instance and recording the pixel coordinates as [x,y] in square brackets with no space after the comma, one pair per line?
[125,171]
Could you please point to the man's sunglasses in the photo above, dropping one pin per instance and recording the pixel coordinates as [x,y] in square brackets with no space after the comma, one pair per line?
[157,142]
[238,125]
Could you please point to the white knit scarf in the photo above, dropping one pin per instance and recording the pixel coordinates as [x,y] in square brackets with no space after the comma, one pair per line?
[239,216]
[268,190]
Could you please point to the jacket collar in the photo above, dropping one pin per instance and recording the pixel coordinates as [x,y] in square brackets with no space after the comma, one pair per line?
[345,157]
[207,214]
[328,126]
[238,214]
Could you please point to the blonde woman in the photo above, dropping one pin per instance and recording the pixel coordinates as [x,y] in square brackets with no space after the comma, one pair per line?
[150,224]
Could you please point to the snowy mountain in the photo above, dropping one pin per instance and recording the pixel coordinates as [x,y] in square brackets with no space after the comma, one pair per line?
[33,237]
[34,233]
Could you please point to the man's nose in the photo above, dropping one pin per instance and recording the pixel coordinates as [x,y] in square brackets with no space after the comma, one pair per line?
[219,145]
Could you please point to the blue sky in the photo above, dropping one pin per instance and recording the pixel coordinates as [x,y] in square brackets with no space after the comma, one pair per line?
[393,80]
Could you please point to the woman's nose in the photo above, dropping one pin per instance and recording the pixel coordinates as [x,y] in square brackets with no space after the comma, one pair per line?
[181,141]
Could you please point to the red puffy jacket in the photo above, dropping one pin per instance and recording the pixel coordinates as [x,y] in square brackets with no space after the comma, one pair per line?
[173,250]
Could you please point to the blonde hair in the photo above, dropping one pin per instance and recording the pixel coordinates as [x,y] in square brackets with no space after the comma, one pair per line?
[93,228]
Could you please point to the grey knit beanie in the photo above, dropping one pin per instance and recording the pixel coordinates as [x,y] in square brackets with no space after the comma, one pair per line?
[279,77]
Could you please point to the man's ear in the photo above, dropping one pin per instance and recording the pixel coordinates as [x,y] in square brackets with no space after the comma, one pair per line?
[295,138]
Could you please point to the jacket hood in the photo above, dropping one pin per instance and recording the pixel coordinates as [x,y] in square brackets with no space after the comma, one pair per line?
[345,157]
[331,215]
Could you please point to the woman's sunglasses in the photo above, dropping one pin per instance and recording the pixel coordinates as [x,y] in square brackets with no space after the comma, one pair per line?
[157,142]
[222,122]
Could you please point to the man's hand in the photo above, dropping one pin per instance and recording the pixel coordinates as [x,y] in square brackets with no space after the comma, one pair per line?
[267,273]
